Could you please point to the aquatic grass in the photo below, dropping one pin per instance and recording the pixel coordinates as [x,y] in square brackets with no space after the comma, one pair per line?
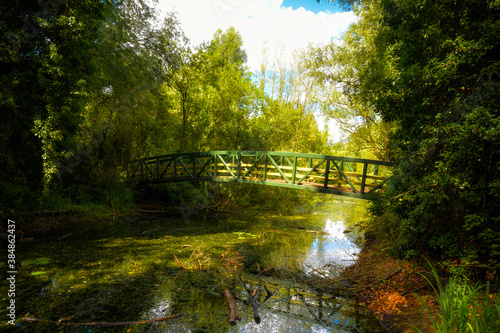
[464,307]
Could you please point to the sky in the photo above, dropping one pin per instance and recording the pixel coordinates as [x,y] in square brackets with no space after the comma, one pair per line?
[312,5]
[291,24]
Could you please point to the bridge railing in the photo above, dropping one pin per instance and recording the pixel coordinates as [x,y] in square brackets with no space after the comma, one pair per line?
[322,173]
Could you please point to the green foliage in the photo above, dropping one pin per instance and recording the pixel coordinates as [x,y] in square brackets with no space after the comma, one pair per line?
[16,195]
[460,171]
[442,59]
[465,307]
[211,95]
[118,196]
[284,114]
[46,64]
[344,4]
[128,110]
[445,99]
[349,74]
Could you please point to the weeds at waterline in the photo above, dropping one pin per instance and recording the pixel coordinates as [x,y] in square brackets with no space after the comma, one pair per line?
[464,307]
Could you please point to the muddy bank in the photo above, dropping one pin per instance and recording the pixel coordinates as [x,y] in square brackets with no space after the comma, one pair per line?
[392,289]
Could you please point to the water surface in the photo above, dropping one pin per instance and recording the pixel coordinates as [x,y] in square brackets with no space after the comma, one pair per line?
[153,266]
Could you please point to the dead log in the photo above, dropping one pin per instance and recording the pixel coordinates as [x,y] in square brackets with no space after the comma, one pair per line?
[66,322]
[256,315]
[152,211]
[233,314]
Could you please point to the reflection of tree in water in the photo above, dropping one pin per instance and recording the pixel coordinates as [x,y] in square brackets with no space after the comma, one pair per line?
[291,303]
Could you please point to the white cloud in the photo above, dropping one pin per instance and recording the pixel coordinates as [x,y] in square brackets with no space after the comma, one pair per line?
[258,21]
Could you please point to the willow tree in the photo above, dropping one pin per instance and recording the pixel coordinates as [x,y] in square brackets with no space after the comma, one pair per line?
[122,106]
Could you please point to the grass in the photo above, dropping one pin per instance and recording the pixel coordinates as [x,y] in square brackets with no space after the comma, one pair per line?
[465,307]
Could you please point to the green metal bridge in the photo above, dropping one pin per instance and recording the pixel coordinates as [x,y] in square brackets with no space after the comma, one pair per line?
[321,173]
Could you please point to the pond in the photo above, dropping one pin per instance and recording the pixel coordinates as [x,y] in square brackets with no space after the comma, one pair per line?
[172,272]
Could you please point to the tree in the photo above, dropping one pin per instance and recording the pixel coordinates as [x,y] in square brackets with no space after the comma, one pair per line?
[127,115]
[445,100]
[212,95]
[349,73]
[285,113]
[345,4]
[46,64]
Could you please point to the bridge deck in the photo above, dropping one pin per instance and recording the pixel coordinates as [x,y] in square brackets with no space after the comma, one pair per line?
[321,173]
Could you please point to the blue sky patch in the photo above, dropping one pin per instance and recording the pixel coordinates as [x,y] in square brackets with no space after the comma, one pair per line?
[312,5]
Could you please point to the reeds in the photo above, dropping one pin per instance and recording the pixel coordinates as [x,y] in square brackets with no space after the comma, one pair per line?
[465,307]
[200,260]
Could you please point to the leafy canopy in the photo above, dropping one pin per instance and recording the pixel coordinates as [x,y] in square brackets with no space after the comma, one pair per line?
[445,101]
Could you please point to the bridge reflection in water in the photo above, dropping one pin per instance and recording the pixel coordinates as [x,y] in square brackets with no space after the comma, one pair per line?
[303,305]
[322,173]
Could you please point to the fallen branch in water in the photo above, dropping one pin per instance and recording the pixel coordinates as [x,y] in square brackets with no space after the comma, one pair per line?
[66,322]
[233,314]
[256,315]
[317,232]
[152,211]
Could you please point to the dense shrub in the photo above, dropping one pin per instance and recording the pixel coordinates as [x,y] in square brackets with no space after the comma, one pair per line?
[446,191]
[447,149]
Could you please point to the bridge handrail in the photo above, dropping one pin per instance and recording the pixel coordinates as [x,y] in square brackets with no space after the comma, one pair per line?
[264,152]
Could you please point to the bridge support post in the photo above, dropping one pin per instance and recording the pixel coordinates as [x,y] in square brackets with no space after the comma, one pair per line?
[214,176]
[157,168]
[194,167]
[363,180]
[239,166]
[264,173]
[327,171]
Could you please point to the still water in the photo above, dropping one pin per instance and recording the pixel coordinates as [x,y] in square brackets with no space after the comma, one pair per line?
[154,266]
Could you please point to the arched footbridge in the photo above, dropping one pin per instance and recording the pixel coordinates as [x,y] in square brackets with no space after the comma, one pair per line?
[321,173]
